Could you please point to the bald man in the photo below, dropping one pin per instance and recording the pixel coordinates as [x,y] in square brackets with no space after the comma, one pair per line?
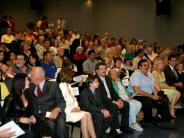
[48,103]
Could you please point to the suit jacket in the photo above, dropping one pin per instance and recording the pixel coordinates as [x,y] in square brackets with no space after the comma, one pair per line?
[101,88]
[91,103]
[171,79]
[50,98]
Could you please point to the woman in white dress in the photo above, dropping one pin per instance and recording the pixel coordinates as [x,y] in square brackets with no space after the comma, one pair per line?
[72,110]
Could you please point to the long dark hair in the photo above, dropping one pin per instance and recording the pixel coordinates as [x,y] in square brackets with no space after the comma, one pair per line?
[35,56]
[18,85]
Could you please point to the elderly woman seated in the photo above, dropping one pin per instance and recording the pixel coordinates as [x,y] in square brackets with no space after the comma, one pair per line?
[135,106]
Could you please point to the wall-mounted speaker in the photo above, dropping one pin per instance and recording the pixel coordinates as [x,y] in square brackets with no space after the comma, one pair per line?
[163,7]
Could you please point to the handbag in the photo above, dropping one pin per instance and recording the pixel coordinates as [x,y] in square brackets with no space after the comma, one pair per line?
[163,97]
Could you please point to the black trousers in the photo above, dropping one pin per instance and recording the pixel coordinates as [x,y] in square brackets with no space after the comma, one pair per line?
[148,104]
[100,123]
[181,90]
[124,115]
[48,127]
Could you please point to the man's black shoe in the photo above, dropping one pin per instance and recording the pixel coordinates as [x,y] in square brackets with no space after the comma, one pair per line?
[115,134]
[127,130]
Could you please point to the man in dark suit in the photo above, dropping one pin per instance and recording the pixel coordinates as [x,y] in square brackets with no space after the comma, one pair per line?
[111,99]
[172,76]
[48,103]
[92,101]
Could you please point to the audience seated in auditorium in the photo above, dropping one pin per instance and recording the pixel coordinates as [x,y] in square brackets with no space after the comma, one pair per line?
[35,41]
[72,110]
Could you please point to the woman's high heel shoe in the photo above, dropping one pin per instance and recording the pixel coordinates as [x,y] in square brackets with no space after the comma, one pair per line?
[172,112]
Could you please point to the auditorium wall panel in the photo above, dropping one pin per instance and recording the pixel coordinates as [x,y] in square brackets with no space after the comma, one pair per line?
[130,18]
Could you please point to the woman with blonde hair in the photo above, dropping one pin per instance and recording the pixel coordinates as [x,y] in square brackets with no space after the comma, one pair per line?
[160,81]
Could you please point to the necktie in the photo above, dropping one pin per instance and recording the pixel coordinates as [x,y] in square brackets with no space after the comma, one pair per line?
[39,92]
[94,93]
[106,88]
[175,73]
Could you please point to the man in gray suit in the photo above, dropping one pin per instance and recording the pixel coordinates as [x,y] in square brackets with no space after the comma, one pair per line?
[48,103]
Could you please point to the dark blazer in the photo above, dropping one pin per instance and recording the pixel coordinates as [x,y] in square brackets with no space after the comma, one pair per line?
[171,79]
[51,97]
[102,90]
[91,103]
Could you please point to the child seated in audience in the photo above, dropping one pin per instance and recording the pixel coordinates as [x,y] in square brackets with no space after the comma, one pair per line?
[180,69]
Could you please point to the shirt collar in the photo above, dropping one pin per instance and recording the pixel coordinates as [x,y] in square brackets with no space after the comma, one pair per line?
[92,89]
[42,84]
[171,67]
[102,78]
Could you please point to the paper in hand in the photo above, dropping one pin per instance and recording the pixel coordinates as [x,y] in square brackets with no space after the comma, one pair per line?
[14,128]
